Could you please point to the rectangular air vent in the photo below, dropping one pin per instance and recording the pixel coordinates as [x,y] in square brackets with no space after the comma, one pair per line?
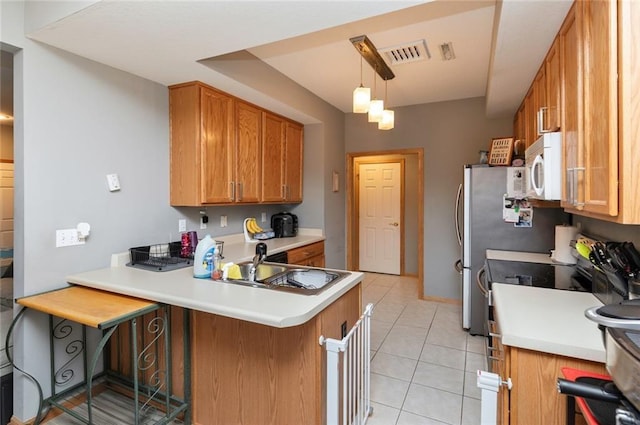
[407,52]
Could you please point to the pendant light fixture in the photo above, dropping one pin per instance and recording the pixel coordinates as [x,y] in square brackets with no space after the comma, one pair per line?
[387,120]
[361,96]
[376,106]
[375,109]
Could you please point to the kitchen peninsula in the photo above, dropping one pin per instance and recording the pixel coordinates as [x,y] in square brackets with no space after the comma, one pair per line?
[255,355]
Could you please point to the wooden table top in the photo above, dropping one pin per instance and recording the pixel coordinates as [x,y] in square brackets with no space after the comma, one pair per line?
[88,306]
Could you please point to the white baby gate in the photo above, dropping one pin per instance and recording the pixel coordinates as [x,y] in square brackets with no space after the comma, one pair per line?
[351,381]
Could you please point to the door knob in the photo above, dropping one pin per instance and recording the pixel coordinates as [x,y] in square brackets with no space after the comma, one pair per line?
[394,224]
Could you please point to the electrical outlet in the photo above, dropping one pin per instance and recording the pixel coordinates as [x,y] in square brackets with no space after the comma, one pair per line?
[68,237]
[182,225]
[203,222]
[223,221]
[264,217]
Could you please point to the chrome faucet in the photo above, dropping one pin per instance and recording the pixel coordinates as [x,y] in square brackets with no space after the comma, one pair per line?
[261,254]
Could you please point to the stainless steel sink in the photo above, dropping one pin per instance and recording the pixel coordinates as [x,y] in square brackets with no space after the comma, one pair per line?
[302,280]
[263,271]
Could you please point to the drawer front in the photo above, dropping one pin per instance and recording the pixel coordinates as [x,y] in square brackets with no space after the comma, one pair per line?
[299,255]
[317,261]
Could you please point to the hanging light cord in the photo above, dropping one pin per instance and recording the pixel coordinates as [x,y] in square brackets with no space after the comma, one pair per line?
[375,90]
[361,85]
[385,94]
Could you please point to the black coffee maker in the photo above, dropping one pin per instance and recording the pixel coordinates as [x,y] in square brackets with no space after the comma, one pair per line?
[284,225]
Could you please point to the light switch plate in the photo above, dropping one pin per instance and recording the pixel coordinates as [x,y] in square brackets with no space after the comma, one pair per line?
[68,237]
[182,225]
[113,182]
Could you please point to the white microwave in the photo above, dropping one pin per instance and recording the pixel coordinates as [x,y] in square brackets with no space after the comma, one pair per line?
[543,161]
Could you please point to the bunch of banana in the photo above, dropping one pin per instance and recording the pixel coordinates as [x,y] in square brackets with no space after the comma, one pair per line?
[252,226]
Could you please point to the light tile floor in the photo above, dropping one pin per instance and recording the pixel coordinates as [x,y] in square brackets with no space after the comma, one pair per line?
[423,367]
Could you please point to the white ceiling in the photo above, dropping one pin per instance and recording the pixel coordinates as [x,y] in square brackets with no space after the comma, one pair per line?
[498,45]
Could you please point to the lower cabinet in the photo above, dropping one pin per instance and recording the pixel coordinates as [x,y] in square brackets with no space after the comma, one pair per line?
[533,398]
[247,373]
[311,255]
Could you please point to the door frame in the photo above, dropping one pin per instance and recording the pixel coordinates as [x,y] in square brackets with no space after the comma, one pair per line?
[353,238]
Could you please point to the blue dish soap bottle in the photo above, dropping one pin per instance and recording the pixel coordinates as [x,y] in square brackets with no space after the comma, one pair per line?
[203,258]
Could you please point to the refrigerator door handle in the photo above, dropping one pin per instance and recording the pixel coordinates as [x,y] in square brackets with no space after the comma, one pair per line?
[457,214]
[458,266]
[479,282]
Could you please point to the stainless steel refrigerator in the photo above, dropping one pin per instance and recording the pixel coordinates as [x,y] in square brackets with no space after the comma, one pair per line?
[480,226]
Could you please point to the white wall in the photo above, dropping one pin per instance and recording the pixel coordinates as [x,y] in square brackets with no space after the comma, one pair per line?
[451,134]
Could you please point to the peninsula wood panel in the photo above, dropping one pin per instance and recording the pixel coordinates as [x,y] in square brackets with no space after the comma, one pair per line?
[242,368]
[247,373]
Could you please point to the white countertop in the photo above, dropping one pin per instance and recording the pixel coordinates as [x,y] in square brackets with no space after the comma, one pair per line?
[548,320]
[268,307]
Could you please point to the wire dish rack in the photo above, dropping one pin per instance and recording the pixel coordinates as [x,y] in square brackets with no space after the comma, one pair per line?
[159,257]
[307,279]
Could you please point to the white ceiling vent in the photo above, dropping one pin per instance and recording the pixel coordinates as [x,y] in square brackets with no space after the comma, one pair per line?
[407,52]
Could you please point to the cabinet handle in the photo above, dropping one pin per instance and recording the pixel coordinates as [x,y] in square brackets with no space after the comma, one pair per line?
[233,191]
[540,125]
[569,186]
[240,191]
[479,277]
[577,203]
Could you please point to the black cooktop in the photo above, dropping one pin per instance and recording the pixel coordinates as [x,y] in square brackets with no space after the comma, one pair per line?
[555,276]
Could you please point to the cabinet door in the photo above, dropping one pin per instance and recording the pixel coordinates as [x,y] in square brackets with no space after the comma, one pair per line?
[539,98]
[552,68]
[273,158]
[216,121]
[293,162]
[600,107]
[529,118]
[571,112]
[248,153]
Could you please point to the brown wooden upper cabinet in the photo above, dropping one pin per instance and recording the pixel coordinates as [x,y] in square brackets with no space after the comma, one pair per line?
[599,57]
[591,152]
[221,150]
[282,160]
[550,119]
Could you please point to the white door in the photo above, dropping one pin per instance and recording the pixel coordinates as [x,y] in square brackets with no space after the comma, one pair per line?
[379,217]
